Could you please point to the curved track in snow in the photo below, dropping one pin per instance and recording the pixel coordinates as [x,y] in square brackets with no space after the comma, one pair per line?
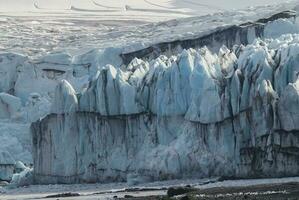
[158,5]
[107,7]
[73,8]
[35,4]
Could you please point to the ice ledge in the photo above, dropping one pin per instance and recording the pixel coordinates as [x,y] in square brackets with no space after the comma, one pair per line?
[228,35]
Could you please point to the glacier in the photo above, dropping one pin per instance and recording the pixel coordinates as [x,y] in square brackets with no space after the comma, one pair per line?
[193,114]
[223,102]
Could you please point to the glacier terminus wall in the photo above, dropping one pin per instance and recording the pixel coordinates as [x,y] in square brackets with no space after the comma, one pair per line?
[194,113]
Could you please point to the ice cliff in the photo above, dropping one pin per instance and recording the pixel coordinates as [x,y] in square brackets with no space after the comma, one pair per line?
[221,103]
[193,114]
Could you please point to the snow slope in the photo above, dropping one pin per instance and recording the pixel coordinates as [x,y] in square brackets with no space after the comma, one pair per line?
[152,6]
[76,33]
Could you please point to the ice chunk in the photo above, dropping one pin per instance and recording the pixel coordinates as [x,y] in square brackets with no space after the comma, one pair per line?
[10,106]
[7,166]
[65,99]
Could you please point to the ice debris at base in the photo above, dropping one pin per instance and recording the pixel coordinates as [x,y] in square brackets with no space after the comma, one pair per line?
[162,97]
[7,164]
[10,170]
[194,114]
[23,178]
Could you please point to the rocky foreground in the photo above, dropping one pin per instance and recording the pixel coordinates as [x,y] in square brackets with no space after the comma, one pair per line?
[216,188]
[288,191]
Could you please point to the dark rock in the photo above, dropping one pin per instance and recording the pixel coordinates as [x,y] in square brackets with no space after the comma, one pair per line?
[224,178]
[174,191]
[63,195]
[185,198]
[128,196]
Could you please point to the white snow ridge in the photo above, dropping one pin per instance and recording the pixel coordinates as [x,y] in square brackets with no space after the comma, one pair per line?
[199,97]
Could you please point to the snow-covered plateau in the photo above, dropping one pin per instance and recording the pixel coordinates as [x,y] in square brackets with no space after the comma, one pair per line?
[206,96]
